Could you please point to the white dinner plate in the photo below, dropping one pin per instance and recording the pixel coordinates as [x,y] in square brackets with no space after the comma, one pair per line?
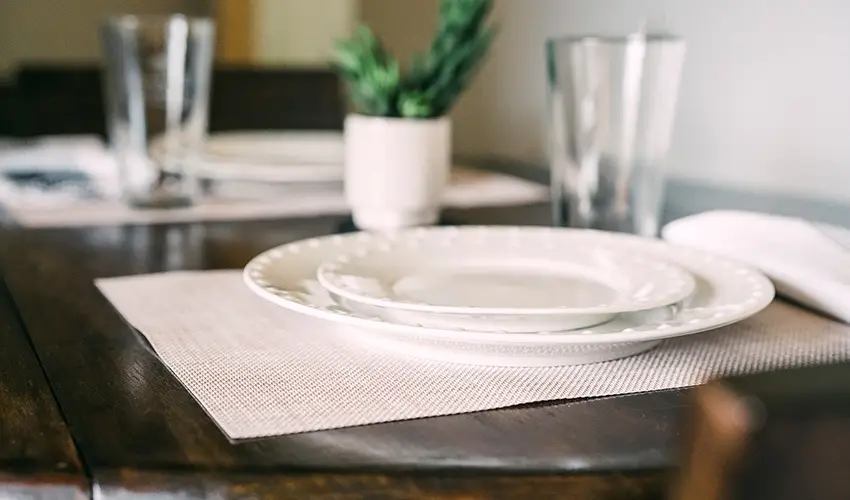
[502,280]
[277,157]
[726,292]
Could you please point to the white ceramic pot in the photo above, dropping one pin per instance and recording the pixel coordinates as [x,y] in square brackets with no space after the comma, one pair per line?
[396,170]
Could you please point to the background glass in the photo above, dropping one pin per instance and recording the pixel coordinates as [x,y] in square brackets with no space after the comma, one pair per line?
[612,102]
[157,95]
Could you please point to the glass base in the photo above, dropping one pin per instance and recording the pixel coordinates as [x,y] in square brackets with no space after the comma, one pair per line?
[154,202]
[641,222]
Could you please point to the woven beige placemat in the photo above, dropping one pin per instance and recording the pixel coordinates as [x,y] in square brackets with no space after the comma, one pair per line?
[260,370]
[468,188]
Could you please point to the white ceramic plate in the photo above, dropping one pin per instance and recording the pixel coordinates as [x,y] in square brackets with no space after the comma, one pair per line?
[503,280]
[726,292]
[278,157]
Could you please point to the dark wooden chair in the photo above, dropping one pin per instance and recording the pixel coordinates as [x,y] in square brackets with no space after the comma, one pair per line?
[286,99]
[54,99]
[773,436]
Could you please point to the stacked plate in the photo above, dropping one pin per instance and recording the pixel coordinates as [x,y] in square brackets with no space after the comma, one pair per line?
[509,296]
[289,157]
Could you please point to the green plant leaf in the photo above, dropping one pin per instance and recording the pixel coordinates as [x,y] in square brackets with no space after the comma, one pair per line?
[435,79]
[415,105]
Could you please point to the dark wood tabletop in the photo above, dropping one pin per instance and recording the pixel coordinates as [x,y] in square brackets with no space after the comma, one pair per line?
[138,431]
[37,454]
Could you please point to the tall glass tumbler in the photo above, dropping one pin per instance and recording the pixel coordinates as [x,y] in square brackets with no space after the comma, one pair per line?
[612,101]
[157,82]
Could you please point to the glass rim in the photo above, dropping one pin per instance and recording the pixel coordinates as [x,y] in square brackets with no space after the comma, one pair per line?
[135,20]
[650,37]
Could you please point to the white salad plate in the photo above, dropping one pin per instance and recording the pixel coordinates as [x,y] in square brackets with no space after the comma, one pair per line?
[508,280]
[276,157]
[726,292]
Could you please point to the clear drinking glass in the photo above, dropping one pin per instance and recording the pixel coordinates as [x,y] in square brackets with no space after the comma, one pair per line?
[612,101]
[157,82]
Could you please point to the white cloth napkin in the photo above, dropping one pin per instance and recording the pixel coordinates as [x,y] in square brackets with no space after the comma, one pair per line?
[260,370]
[75,154]
[808,262]
[51,153]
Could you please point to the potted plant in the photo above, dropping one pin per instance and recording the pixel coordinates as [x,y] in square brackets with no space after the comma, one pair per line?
[398,139]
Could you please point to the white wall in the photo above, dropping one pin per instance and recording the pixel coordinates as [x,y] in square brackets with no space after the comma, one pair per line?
[293,32]
[67,31]
[765,98]
[300,32]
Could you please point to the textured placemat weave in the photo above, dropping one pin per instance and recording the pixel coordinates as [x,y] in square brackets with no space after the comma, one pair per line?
[259,370]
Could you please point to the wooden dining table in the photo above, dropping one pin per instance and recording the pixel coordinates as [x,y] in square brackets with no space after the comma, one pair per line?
[87,409]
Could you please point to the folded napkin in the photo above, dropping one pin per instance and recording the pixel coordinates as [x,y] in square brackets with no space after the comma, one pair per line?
[808,262]
[56,169]
[261,370]
[49,153]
